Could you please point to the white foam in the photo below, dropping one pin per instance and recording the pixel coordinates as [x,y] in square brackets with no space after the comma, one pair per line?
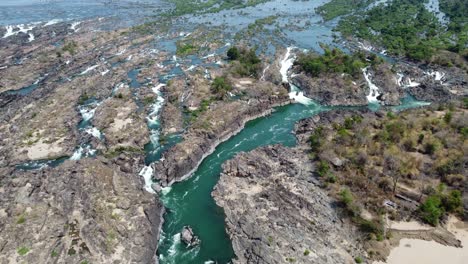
[105,72]
[120,52]
[192,67]
[77,154]
[94,132]
[147,174]
[129,58]
[10,30]
[373,89]
[263,73]
[87,113]
[52,22]
[209,55]
[438,76]
[286,64]
[74,25]
[298,96]
[89,69]
[166,190]
[31,37]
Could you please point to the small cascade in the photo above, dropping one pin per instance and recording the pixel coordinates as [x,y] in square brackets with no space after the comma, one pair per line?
[406,82]
[91,68]
[373,89]
[147,174]
[438,76]
[74,25]
[10,30]
[295,93]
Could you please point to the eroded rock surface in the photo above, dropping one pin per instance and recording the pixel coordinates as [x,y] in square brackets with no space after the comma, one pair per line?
[81,211]
[276,213]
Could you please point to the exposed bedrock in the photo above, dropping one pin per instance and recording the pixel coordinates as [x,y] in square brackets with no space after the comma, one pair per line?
[80,211]
[276,213]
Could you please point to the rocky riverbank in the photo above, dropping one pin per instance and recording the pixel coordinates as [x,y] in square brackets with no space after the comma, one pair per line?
[277,213]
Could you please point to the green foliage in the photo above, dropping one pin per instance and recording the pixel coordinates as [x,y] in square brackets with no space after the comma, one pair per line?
[453,201]
[247,62]
[323,168]
[448,117]
[332,61]
[316,138]
[21,220]
[54,254]
[83,98]
[336,8]
[70,47]
[346,197]
[220,86]
[233,53]
[358,259]
[185,49]
[432,210]
[306,252]
[22,251]
[407,28]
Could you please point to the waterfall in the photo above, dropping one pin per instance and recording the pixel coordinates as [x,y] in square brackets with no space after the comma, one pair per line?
[373,89]
[295,93]
[147,174]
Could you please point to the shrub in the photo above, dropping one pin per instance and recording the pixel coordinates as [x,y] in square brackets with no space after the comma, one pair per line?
[346,197]
[323,168]
[21,220]
[432,210]
[22,251]
[220,86]
[233,53]
[358,259]
[316,138]
[448,117]
[453,201]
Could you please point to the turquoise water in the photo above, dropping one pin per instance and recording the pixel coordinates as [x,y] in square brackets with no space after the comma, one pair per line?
[190,202]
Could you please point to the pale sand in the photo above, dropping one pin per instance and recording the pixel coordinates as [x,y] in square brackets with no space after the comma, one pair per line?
[411,225]
[42,150]
[415,251]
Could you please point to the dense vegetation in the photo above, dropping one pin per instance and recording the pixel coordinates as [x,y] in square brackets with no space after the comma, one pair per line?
[407,28]
[336,8]
[245,62]
[183,7]
[365,161]
[334,61]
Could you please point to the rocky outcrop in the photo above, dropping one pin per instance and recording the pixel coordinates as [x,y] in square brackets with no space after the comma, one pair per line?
[275,212]
[80,211]
[171,119]
[436,84]
[387,82]
[188,237]
[332,89]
